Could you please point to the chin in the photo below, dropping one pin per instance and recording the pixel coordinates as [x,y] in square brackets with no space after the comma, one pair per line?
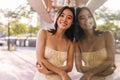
[64,28]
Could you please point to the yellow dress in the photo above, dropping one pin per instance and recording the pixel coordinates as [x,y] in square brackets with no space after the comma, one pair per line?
[57,58]
[93,59]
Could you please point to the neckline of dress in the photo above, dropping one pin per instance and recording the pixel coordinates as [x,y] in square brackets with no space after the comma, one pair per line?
[94,51]
[56,50]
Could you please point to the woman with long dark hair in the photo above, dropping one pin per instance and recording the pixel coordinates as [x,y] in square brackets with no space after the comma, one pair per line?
[54,47]
[95,50]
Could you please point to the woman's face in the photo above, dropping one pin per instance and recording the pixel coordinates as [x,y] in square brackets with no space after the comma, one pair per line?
[65,20]
[85,19]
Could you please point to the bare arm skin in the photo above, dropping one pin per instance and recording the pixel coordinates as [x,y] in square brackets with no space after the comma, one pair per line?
[110,45]
[40,46]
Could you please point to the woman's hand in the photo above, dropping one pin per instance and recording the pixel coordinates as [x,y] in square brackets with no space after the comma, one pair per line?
[108,71]
[86,76]
[65,76]
[41,68]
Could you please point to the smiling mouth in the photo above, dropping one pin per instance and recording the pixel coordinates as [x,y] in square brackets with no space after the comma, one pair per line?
[64,24]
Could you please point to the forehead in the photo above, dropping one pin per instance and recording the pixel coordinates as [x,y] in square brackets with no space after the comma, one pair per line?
[84,12]
[67,12]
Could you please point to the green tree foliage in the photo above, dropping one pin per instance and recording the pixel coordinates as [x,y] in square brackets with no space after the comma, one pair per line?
[3,30]
[109,18]
[18,28]
[14,17]
[107,26]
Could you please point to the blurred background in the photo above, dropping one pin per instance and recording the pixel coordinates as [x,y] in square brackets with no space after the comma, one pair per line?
[19,25]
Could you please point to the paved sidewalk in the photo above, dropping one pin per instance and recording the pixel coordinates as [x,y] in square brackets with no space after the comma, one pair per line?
[20,65]
[17,65]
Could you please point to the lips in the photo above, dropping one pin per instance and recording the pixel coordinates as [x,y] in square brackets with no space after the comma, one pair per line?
[63,23]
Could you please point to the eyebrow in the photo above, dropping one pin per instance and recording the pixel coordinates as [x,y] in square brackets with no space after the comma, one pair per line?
[67,15]
[81,16]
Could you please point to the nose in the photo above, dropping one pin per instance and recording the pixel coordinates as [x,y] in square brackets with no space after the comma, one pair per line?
[87,18]
[64,18]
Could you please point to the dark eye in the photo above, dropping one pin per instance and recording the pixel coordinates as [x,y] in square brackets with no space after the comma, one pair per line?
[69,17]
[90,16]
[81,18]
[62,15]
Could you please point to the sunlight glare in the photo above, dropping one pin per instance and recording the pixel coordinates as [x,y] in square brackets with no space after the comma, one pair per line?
[112,5]
[7,4]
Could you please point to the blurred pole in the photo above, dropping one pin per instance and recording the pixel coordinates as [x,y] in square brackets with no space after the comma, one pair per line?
[8,41]
[31,25]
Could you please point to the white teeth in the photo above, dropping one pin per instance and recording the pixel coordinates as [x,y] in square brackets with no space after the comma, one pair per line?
[63,23]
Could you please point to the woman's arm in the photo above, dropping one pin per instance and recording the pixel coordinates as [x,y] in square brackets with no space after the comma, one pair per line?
[41,68]
[40,47]
[110,46]
[68,67]
[56,70]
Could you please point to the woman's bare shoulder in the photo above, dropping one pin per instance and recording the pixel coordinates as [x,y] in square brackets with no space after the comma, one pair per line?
[107,33]
[42,33]
[70,43]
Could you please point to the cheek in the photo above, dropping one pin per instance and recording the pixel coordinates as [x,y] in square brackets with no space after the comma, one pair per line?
[90,22]
[82,22]
[70,23]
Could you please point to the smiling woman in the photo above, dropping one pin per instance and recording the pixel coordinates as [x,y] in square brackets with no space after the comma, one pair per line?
[54,61]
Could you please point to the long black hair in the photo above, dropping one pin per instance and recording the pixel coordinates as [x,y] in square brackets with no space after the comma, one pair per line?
[79,32]
[69,33]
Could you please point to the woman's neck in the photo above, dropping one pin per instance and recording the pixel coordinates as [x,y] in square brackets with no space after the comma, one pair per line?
[60,33]
[89,33]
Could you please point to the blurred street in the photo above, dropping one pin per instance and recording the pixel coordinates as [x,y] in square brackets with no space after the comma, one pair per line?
[20,65]
[17,65]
